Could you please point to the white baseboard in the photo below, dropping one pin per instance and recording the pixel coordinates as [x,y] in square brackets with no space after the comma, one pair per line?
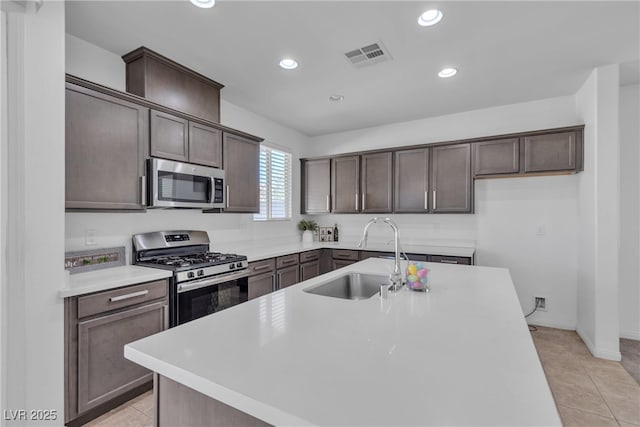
[598,352]
[564,326]
[632,335]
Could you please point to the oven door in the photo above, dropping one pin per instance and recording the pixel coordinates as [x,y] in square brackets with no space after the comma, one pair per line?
[202,297]
[184,185]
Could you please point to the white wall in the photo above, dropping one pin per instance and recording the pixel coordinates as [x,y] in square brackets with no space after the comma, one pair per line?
[597,103]
[35,227]
[108,69]
[629,290]
[508,211]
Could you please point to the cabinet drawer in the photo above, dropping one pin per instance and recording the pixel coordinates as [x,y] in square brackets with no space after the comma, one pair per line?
[309,256]
[122,297]
[286,261]
[346,254]
[339,263]
[262,267]
[451,259]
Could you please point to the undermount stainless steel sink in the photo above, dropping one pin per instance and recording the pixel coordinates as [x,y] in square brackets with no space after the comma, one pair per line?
[351,286]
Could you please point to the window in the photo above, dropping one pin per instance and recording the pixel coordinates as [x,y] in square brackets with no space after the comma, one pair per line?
[275,184]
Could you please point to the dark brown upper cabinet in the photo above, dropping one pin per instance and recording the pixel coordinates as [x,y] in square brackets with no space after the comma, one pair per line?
[411,190]
[205,145]
[550,152]
[345,188]
[176,138]
[106,143]
[159,79]
[497,157]
[169,136]
[316,186]
[376,182]
[241,168]
[451,183]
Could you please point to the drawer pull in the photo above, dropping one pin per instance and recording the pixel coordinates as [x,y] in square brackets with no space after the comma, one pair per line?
[261,267]
[288,261]
[448,261]
[127,296]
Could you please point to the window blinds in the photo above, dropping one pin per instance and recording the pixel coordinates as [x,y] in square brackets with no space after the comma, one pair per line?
[275,184]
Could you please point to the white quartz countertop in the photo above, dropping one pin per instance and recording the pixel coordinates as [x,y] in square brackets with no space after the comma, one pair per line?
[256,253]
[110,278]
[459,355]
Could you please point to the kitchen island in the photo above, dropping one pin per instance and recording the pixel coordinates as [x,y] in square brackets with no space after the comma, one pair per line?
[459,355]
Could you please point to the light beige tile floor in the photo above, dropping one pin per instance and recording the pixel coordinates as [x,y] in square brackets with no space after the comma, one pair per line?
[588,391]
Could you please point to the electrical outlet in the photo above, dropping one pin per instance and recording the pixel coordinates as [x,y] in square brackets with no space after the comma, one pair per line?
[541,230]
[90,237]
[540,303]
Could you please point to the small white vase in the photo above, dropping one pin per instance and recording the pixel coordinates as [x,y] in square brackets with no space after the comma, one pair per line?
[307,237]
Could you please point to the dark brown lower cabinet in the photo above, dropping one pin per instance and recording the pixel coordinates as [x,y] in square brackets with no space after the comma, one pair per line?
[309,270]
[288,276]
[97,327]
[262,284]
[103,372]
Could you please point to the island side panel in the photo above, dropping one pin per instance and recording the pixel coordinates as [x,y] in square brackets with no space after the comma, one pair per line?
[177,405]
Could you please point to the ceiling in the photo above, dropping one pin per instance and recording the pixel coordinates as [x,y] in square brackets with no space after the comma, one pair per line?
[506,52]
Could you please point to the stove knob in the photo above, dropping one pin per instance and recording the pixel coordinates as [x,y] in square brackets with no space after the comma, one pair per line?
[239,265]
[200,273]
[190,275]
[231,266]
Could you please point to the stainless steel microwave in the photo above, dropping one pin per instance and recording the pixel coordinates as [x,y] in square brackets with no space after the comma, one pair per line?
[184,185]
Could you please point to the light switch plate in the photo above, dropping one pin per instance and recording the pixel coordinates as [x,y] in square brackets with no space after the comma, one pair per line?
[90,237]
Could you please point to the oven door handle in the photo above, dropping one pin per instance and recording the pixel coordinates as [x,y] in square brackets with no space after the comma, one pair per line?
[216,280]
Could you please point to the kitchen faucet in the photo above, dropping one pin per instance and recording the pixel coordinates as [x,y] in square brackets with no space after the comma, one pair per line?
[396,277]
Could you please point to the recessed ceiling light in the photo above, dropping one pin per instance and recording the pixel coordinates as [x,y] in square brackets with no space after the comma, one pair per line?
[205,4]
[447,72]
[289,63]
[336,98]
[430,17]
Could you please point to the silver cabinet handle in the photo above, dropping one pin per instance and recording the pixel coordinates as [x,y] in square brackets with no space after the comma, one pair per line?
[434,200]
[143,190]
[328,208]
[448,261]
[228,196]
[363,201]
[261,267]
[166,316]
[356,201]
[426,197]
[127,296]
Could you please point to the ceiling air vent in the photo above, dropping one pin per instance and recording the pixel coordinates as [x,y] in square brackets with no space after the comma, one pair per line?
[368,55]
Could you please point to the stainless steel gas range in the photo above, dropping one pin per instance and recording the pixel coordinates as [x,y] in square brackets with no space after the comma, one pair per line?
[203,282]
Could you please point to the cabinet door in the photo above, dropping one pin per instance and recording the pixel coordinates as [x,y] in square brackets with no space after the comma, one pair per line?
[287,277]
[551,152]
[451,179]
[169,136]
[309,270]
[103,372]
[496,157]
[241,167]
[105,149]
[205,145]
[316,186]
[412,181]
[377,182]
[345,190]
[261,285]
